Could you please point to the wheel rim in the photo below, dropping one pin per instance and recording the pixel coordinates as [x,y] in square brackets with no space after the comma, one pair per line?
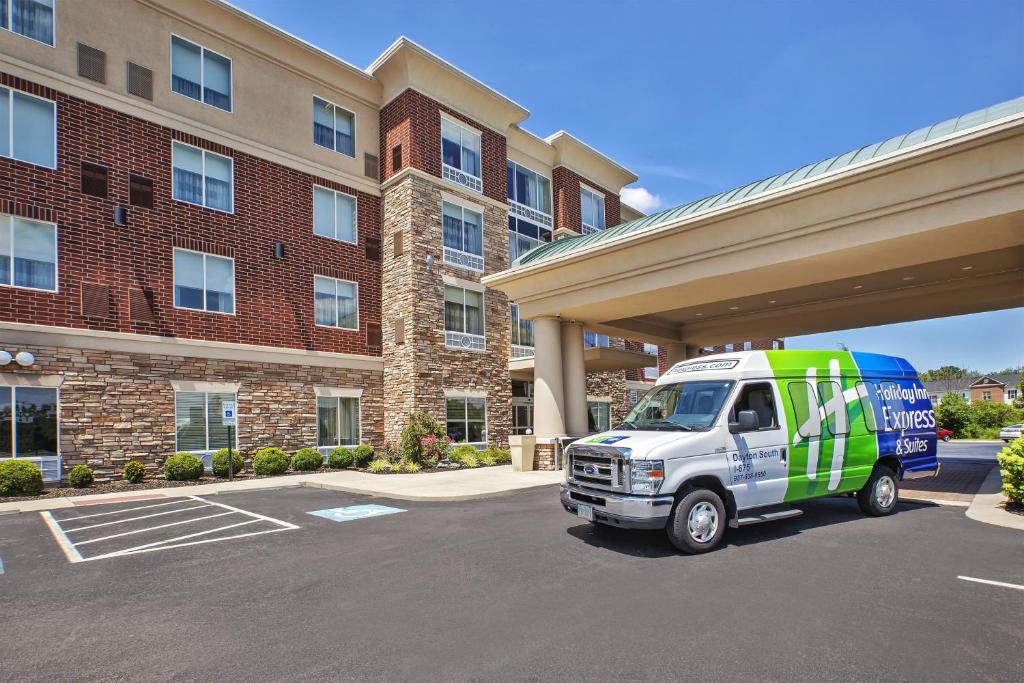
[702,522]
[885,491]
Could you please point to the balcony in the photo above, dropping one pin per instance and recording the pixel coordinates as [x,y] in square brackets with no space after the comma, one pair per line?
[462,178]
[597,359]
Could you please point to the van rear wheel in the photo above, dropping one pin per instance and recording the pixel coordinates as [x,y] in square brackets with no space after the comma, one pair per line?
[698,521]
[881,494]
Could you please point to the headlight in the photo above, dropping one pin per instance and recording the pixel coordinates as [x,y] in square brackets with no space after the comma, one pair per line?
[646,476]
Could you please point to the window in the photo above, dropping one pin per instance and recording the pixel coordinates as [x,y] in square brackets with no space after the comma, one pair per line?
[592,340]
[337,421]
[140,191]
[200,74]
[202,177]
[592,210]
[28,128]
[334,127]
[337,303]
[1011,394]
[460,155]
[522,407]
[28,427]
[776,345]
[867,406]
[522,334]
[728,348]
[805,407]
[463,318]
[834,402]
[524,236]
[986,396]
[747,346]
[529,190]
[600,416]
[199,423]
[760,399]
[30,18]
[94,180]
[463,236]
[204,282]
[466,419]
[28,253]
[651,372]
[334,215]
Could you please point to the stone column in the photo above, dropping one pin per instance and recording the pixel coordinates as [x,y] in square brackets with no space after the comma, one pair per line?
[574,379]
[679,351]
[548,397]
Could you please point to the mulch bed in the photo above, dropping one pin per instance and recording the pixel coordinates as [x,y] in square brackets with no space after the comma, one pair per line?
[1014,508]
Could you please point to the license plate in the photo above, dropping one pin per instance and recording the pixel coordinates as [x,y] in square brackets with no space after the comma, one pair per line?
[585,511]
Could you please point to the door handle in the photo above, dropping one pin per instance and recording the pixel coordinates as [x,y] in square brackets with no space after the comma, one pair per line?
[782,455]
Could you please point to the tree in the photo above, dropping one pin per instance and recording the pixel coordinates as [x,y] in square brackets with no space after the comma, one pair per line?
[953,412]
[988,416]
[949,375]
[1019,401]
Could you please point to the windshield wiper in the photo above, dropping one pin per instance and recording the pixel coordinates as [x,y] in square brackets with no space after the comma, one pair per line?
[626,424]
[668,424]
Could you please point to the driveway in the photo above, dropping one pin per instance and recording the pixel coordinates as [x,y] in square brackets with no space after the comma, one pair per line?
[504,588]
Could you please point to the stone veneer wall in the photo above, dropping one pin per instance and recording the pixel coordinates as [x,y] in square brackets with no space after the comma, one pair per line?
[116,407]
[418,371]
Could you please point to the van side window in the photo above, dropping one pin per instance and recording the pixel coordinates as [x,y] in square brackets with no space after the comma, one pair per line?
[890,390]
[864,392]
[835,407]
[805,407]
[760,399]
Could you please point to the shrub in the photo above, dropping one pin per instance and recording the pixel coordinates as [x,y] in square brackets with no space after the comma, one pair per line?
[992,415]
[342,457]
[1011,468]
[134,472]
[220,462]
[499,456]
[485,457]
[183,467]
[412,447]
[953,412]
[410,467]
[81,477]
[463,451]
[20,478]
[379,466]
[270,461]
[307,460]
[362,455]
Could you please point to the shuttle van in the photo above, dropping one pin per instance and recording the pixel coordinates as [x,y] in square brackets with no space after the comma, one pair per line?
[735,439]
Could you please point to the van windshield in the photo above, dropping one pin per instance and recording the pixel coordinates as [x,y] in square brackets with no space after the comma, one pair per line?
[684,406]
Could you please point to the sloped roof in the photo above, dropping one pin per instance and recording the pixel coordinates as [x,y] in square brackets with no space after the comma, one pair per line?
[776,182]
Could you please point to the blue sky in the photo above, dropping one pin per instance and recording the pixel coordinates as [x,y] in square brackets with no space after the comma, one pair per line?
[698,97]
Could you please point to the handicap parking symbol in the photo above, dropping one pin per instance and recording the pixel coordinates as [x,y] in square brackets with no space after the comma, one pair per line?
[352,512]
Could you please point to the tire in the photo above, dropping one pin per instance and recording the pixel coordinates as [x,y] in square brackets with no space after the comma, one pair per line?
[698,522]
[880,494]
[946,438]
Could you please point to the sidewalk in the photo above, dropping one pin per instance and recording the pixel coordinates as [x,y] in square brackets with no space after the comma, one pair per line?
[483,482]
[987,506]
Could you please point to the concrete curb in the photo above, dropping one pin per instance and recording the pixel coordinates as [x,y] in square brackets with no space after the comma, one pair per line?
[933,501]
[395,495]
[987,505]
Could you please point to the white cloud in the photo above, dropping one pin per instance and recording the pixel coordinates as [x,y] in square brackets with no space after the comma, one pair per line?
[641,199]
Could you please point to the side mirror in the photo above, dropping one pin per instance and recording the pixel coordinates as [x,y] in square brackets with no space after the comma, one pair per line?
[747,421]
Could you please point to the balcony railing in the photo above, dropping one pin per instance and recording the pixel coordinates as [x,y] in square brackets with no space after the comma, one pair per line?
[529,213]
[462,178]
[465,341]
[520,351]
[463,259]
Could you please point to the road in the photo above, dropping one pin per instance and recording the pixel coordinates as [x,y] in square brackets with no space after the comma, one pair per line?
[984,451]
[504,588]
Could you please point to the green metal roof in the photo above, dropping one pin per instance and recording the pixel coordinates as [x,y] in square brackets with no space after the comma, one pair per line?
[722,199]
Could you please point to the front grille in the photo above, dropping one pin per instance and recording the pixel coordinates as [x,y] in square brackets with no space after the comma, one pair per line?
[598,468]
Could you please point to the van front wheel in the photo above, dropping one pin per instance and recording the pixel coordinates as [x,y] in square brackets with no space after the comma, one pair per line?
[880,495]
[698,522]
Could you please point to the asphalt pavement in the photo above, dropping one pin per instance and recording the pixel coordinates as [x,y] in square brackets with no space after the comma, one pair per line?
[972,451]
[506,588]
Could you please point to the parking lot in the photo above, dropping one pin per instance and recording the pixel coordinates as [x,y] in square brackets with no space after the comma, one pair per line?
[502,588]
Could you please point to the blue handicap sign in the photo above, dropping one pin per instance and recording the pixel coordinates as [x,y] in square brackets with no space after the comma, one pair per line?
[347,514]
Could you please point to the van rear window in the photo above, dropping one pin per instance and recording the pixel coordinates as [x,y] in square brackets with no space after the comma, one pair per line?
[805,407]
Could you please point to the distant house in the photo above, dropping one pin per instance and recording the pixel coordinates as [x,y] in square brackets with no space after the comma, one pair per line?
[1000,387]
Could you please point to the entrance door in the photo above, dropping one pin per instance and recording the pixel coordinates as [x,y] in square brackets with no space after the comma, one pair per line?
[758,459]
[522,407]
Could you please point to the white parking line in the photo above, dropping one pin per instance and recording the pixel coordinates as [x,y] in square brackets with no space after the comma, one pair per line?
[286,525]
[989,582]
[150,528]
[134,519]
[149,547]
[62,539]
[118,512]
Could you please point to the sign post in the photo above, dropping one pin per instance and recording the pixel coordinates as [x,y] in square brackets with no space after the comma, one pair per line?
[228,420]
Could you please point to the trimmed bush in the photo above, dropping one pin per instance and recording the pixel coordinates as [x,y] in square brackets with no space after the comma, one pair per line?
[379,466]
[307,460]
[220,462]
[362,455]
[1011,468]
[270,461]
[20,478]
[134,472]
[460,453]
[342,457]
[81,477]
[498,456]
[183,467]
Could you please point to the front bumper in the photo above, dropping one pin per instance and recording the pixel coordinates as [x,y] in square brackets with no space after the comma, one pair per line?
[615,509]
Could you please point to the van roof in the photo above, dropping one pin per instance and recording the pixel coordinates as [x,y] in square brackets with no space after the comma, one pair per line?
[789,363]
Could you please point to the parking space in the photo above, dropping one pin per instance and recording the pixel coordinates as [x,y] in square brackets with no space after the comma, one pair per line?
[133,527]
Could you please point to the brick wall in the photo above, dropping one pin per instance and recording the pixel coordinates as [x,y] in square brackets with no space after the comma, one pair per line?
[273,298]
[565,188]
[412,121]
